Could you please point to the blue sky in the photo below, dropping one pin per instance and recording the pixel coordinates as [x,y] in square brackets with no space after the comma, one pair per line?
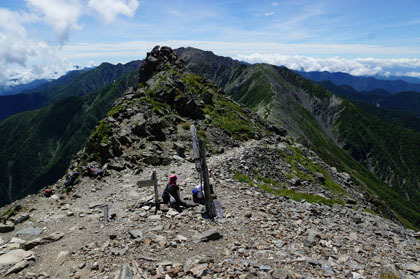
[45,38]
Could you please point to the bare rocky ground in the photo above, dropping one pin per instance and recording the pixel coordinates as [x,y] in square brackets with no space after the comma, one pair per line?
[260,236]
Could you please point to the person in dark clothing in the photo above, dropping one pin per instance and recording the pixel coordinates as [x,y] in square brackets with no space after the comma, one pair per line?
[171,193]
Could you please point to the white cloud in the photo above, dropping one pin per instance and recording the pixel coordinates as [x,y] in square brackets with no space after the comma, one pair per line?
[409,74]
[61,15]
[269,14]
[356,66]
[110,9]
[18,46]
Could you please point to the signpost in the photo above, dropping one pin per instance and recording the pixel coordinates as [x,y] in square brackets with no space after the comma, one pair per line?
[208,199]
[199,151]
[151,182]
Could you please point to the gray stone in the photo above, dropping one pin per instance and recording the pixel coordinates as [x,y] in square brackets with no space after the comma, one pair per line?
[41,241]
[20,218]
[178,158]
[154,218]
[413,267]
[180,149]
[62,257]
[312,238]
[18,267]
[199,270]
[57,216]
[8,227]
[15,256]
[136,233]
[265,268]
[281,274]
[30,231]
[320,177]
[279,243]
[95,204]
[211,234]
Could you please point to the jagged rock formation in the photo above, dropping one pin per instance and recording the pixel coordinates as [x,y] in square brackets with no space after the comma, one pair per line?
[150,124]
[286,213]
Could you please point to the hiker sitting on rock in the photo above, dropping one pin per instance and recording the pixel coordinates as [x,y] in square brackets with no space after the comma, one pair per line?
[171,193]
[198,194]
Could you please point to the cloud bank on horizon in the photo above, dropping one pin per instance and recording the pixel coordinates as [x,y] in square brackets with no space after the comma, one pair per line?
[17,45]
[47,38]
[357,66]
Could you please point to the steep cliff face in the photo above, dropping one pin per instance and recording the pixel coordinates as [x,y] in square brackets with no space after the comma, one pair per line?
[150,124]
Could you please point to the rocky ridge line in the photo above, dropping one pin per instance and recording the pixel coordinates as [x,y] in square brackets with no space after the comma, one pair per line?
[262,235]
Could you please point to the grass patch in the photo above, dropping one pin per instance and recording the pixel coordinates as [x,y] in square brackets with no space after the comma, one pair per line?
[102,132]
[267,180]
[185,126]
[389,276]
[244,179]
[298,158]
[114,110]
[370,211]
[10,212]
[297,196]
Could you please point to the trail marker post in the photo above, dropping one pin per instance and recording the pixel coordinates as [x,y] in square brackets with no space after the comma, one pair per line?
[208,199]
[151,182]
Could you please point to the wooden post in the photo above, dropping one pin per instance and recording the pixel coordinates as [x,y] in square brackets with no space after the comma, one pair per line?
[151,182]
[196,151]
[208,200]
[106,213]
[155,186]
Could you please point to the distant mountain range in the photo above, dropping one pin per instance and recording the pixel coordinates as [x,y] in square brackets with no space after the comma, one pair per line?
[16,89]
[36,146]
[363,83]
[74,83]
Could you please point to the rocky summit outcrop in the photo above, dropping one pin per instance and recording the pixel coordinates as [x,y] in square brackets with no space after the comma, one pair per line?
[149,125]
[286,214]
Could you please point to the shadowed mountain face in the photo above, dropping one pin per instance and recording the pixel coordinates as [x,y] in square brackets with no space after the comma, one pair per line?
[338,131]
[37,146]
[404,101]
[75,83]
[362,83]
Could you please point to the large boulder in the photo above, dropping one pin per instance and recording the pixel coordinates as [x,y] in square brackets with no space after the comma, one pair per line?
[8,227]
[189,106]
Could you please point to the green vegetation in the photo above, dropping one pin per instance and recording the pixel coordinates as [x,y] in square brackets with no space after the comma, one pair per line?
[185,126]
[231,118]
[286,94]
[75,83]
[390,147]
[272,187]
[37,146]
[102,132]
[256,90]
[9,212]
[389,276]
[297,158]
[114,110]
[297,196]
[244,179]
